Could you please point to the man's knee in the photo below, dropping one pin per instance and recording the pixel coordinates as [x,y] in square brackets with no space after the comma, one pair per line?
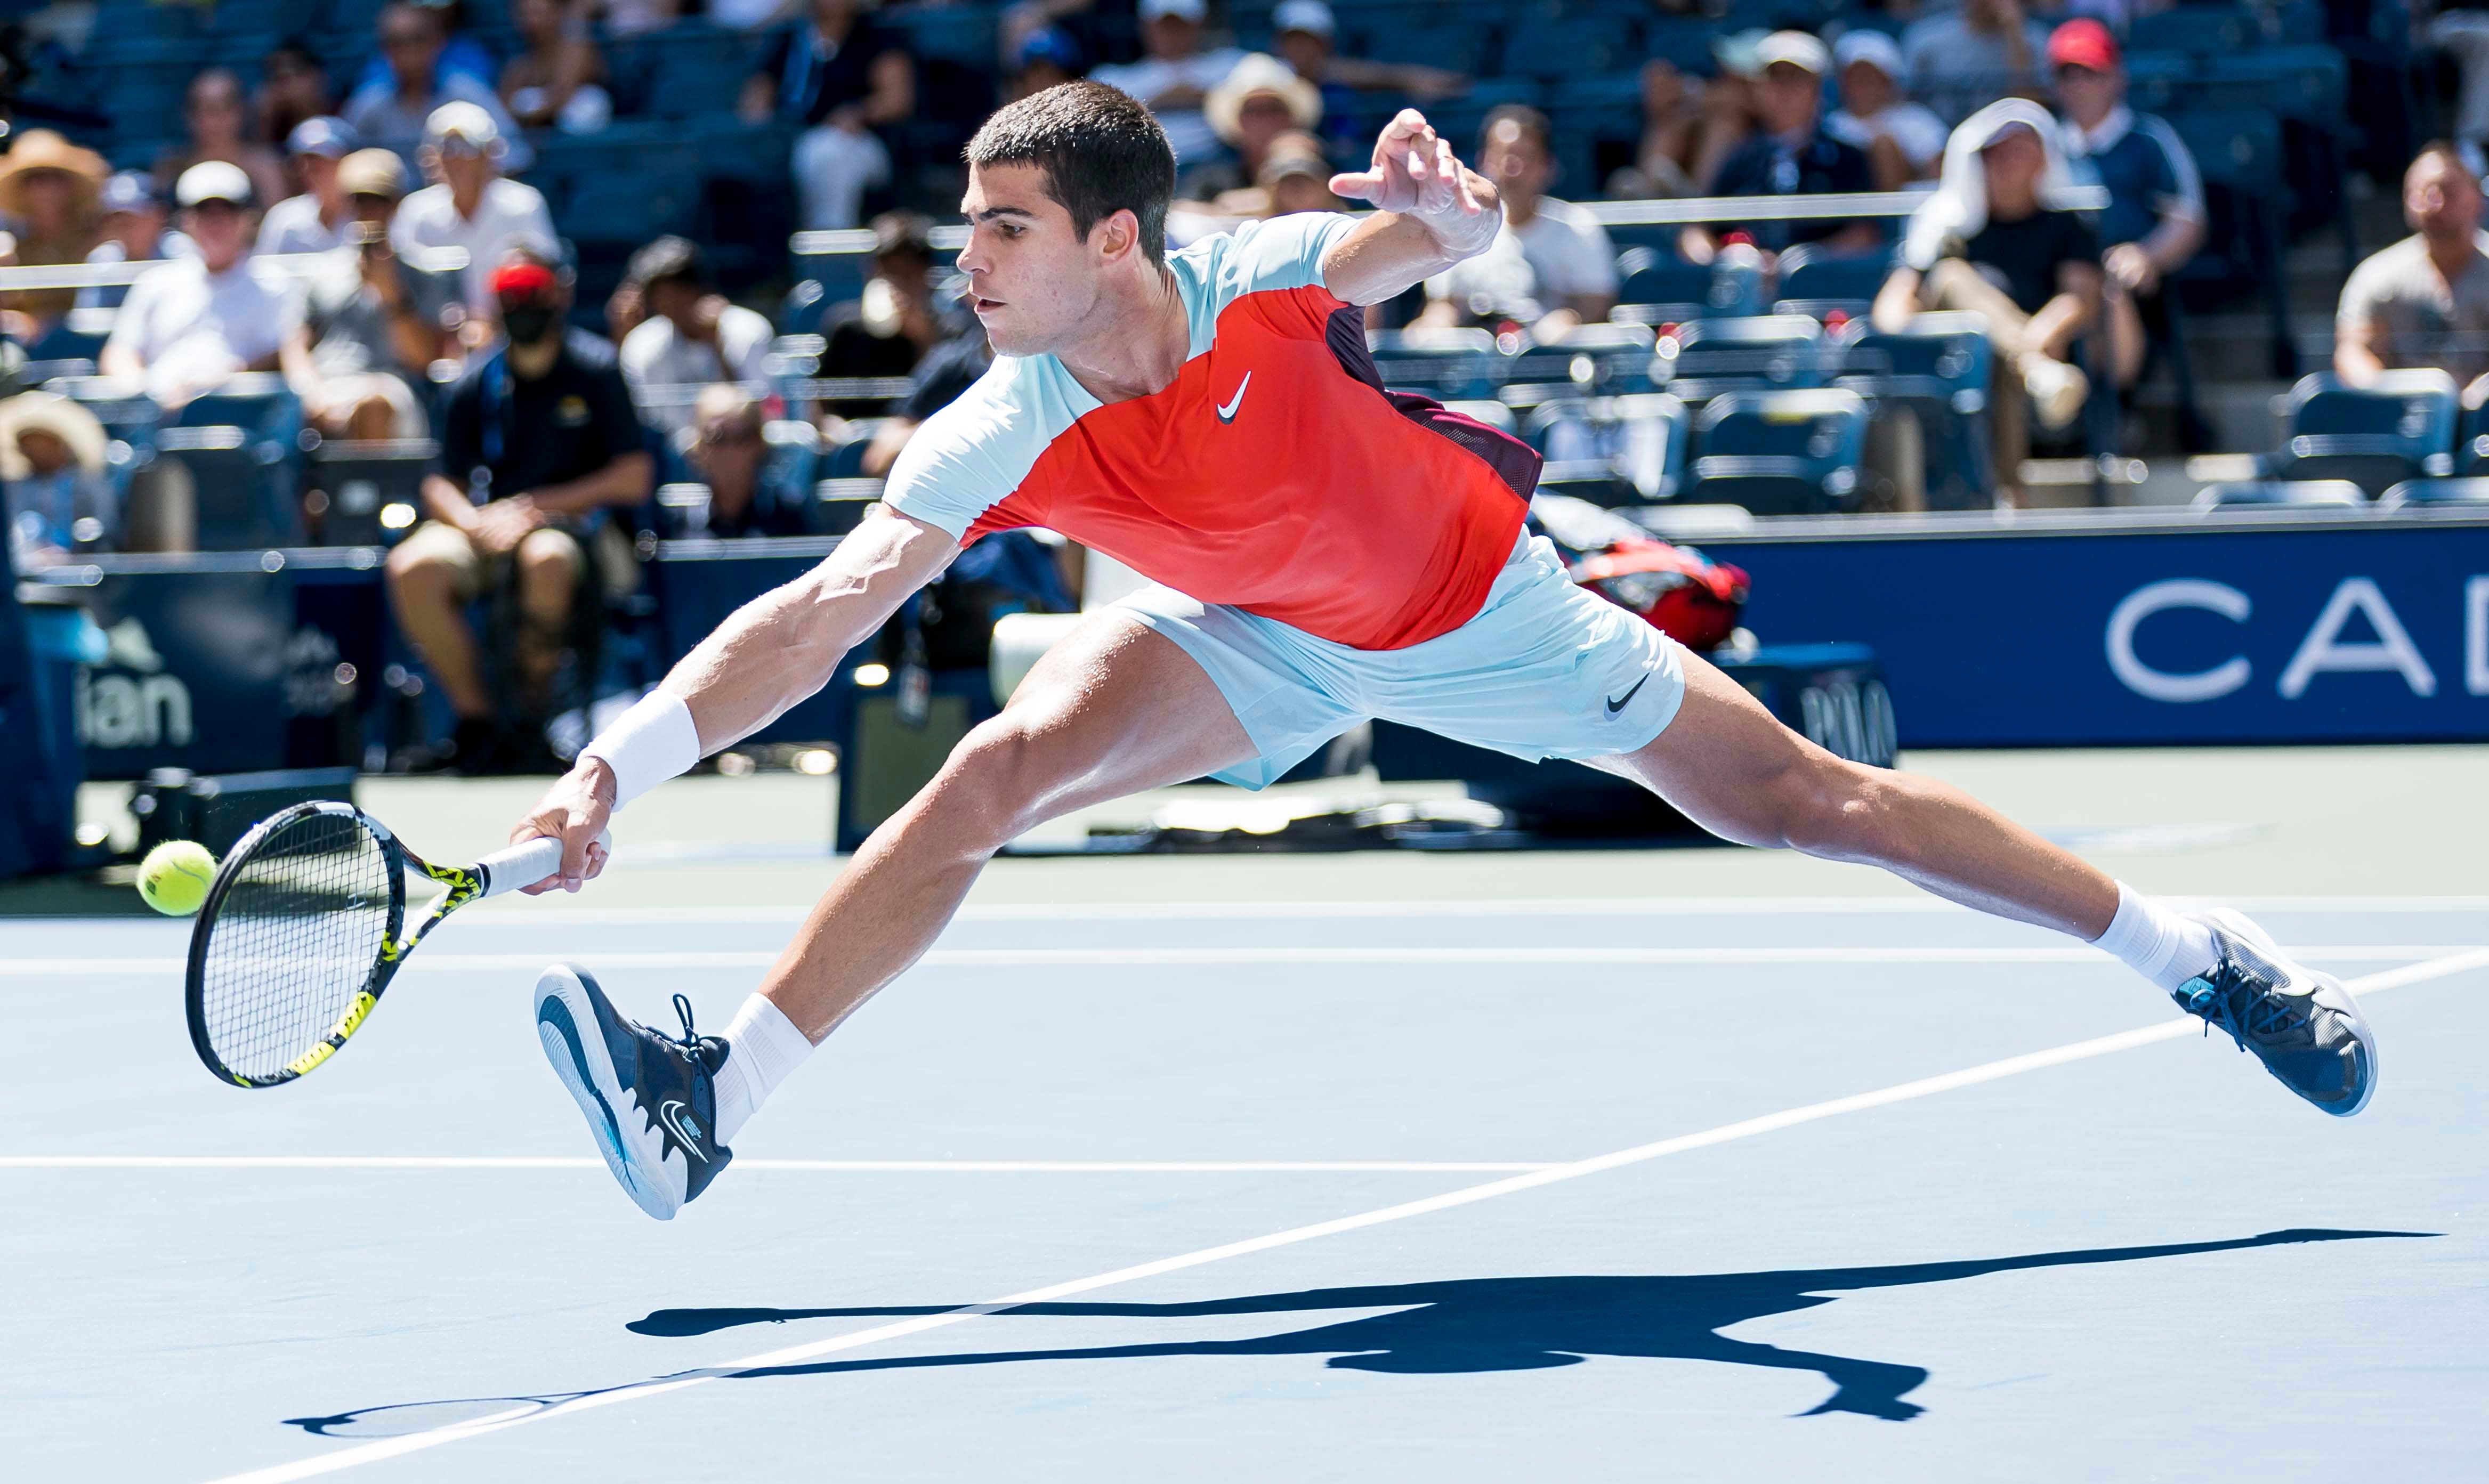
[993,788]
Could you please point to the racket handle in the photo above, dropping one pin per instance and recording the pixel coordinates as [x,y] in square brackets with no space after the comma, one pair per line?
[527,863]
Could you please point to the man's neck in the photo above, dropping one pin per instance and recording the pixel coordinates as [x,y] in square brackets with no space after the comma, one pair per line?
[1137,346]
[217,269]
[2452,256]
[466,202]
[536,358]
[332,210]
[1520,207]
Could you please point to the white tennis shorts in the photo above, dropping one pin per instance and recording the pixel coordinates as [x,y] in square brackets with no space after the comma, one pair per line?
[1545,670]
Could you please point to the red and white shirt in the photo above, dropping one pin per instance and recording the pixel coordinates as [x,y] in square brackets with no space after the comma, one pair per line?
[1275,475]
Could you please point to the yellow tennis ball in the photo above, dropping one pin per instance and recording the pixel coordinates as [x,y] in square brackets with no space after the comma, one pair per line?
[175,875]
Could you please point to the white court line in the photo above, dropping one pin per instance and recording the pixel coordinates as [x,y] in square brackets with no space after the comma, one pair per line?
[502,913]
[1771,1123]
[814,1166]
[1551,954]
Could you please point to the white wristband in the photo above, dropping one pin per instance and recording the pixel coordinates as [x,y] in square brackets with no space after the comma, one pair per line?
[654,740]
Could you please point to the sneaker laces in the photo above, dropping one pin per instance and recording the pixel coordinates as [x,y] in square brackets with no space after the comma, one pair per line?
[2240,1007]
[683,1008]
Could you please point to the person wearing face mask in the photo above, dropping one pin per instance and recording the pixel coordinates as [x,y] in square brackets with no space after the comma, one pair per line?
[538,442]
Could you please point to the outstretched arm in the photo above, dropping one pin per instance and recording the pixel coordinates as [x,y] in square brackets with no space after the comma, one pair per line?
[1435,212]
[769,655]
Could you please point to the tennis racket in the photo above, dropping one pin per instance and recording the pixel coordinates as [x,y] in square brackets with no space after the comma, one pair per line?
[304,929]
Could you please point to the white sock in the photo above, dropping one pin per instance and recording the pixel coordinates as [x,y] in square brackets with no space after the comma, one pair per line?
[2158,943]
[762,1045]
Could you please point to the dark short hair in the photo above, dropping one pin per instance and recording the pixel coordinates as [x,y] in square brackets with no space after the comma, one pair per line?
[1532,123]
[1099,151]
[674,260]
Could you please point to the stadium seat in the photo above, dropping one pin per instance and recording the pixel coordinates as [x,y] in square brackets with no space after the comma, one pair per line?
[2202,30]
[2280,492]
[1816,284]
[696,68]
[2238,154]
[2400,428]
[2155,80]
[1443,363]
[1937,369]
[1658,286]
[1558,49]
[1780,452]
[2436,492]
[1642,438]
[1704,358]
[1589,358]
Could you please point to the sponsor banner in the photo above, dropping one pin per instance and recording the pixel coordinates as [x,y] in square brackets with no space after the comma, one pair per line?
[2135,628]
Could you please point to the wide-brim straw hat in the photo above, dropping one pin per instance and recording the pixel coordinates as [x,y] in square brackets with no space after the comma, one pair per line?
[1259,73]
[41,149]
[53,413]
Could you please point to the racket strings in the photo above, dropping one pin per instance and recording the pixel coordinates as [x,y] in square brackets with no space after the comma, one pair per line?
[294,938]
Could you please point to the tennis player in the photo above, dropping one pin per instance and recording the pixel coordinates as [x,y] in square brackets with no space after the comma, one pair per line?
[1328,553]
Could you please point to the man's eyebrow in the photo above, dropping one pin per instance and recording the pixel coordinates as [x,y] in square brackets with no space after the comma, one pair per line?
[992,212]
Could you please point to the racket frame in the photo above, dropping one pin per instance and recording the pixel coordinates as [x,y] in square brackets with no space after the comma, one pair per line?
[465,883]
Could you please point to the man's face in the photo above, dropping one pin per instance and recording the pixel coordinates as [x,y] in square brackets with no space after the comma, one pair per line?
[1787,98]
[411,46]
[673,300]
[319,175]
[728,444]
[2014,162]
[216,226]
[908,275]
[45,453]
[215,111]
[2441,200]
[1514,161]
[1865,90]
[1262,118]
[374,210]
[1306,52]
[462,167]
[50,197]
[1291,194]
[1171,37]
[136,231]
[1032,280]
[2088,95]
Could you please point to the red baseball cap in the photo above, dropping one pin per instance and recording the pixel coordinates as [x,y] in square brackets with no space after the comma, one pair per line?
[523,281]
[2084,42]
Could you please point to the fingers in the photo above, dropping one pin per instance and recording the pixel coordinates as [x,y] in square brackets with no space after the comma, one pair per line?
[1359,186]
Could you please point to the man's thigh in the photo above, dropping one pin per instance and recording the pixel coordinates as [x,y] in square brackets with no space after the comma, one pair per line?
[1728,764]
[1113,709]
[443,547]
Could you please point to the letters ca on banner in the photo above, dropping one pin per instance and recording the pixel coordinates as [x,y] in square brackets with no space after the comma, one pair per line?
[2358,605]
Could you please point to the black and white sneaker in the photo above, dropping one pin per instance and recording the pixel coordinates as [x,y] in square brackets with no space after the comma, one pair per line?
[650,1100]
[2303,1025]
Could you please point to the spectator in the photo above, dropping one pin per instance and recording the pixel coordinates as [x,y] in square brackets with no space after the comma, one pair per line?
[950,369]
[1551,266]
[678,332]
[363,335]
[558,82]
[726,448]
[1905,141]
[1306,35]
[748,14]
[2154,220]
[48,190]
[315,221]
[392,112]
[218,120]
[1251,107]
[1962,59]
[1045,57]
[2424,301]
[52,480]
[893,324]
[842,74]
[1988,241]
[195,321]
[461,56]
[293,86]
[638,17]
[133,231]
[472,213]
[1789,154]
[538,442]
[1175,74]
[1690,126]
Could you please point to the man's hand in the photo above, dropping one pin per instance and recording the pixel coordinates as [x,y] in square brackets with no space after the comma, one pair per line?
[1415,175]
[2129,265]
[575,809]
[502,525]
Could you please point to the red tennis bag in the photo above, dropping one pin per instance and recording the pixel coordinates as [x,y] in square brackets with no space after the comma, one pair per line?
[1681,592]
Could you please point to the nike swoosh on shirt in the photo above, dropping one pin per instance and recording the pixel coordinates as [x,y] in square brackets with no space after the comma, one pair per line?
[1227,414]
[1618,703]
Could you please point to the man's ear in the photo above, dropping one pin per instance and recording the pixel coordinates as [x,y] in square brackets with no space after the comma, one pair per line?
[1118,236]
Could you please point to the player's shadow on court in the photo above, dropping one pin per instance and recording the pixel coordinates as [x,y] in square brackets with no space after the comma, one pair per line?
[1476,1324]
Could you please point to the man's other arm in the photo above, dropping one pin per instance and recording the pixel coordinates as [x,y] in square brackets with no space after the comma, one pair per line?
[1434,213]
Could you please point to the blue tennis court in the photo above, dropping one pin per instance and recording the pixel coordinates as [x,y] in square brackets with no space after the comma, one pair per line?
[1860,1188]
